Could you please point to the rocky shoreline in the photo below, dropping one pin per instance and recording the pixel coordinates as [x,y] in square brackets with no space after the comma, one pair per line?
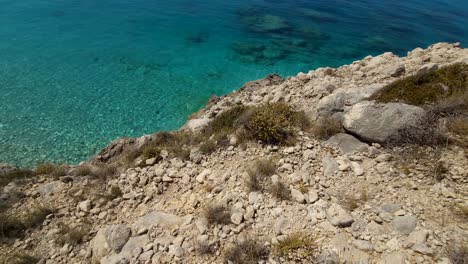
[346,198]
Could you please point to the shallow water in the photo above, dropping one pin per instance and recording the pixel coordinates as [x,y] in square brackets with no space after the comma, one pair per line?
[76,74]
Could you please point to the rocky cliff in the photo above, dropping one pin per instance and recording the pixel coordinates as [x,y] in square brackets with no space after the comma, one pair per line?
[361,178]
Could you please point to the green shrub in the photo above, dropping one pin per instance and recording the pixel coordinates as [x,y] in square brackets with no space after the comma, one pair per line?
[152,151]
[248,251]
[272,123]
[217,214]
[297,245]
[427,87]
[227,121]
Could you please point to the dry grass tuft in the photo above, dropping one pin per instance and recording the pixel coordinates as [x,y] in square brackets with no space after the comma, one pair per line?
[205,248]
[259,174]
[248,251]
[217,214]
[457,253]
[280,190]
[297,246]
[72,235]
[326,128]
[15,175]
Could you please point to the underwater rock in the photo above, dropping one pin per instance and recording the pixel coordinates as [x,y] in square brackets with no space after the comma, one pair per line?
[265,23]
[317,16]
[197,38]
[243,48]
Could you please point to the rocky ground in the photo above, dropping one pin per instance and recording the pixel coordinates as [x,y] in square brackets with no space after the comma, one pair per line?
[346,200]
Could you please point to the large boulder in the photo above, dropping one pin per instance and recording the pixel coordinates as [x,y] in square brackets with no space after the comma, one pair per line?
[380,123]
[337,101]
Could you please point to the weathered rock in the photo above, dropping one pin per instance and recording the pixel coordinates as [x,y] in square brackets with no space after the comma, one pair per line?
[416,237]
[380,122]
[330,166]
[338,216]
[51,188]
[196,124]
[6,168]
[159,219]
[297,196]
[404,224]
[347,143]
[109,240]
[85,206]
[397,257]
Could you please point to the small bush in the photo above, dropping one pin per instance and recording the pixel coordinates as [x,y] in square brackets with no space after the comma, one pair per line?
[208,147]
[11,176]
[458,126]
[272,123]
[45,168]
[458,253]
[280,190]
[35,216]
[83,170]
[249,251]
[227,121]
[114,192]
[205,248]
[427,87]
[152,151]
[353,202]
[72,235]
[326,128]
[19,258]
[103,171]
[217,214]
[12,225]
[297,245]
[257,176]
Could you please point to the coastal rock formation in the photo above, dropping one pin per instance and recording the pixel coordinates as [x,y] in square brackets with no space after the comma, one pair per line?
[380,122]
[339,194]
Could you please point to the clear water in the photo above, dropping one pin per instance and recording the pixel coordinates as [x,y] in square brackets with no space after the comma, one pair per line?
[76,74]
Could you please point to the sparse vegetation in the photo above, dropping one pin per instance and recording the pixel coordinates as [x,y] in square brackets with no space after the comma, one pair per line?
[114,192]
[272,123]
[426,131]
[458,126]
[12,225]
[217,214]
[227,121]
[296,245]
[83,170]
[457,253]
[19,258]
[259,173]
[280,190]
[248,251]
[352,202]
[72,235]
[208,147]
[325,128]
[14,176]
[205,248]
[427,87]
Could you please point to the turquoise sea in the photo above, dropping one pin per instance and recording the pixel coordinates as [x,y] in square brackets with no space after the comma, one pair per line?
[76,74]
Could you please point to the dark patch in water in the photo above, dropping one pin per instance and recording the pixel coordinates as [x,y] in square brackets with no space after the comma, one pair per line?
[57,13]
[197,38]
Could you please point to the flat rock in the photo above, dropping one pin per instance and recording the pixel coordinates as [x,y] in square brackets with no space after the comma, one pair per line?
[404,224]
[51,188]
[159,219]
[330,166]
[347,143]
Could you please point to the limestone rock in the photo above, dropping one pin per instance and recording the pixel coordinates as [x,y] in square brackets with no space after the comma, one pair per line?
[338,216]
[404,224]
[347,143]
[380,122]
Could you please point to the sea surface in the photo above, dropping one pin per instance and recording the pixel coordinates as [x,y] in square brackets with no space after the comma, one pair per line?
[76,74]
